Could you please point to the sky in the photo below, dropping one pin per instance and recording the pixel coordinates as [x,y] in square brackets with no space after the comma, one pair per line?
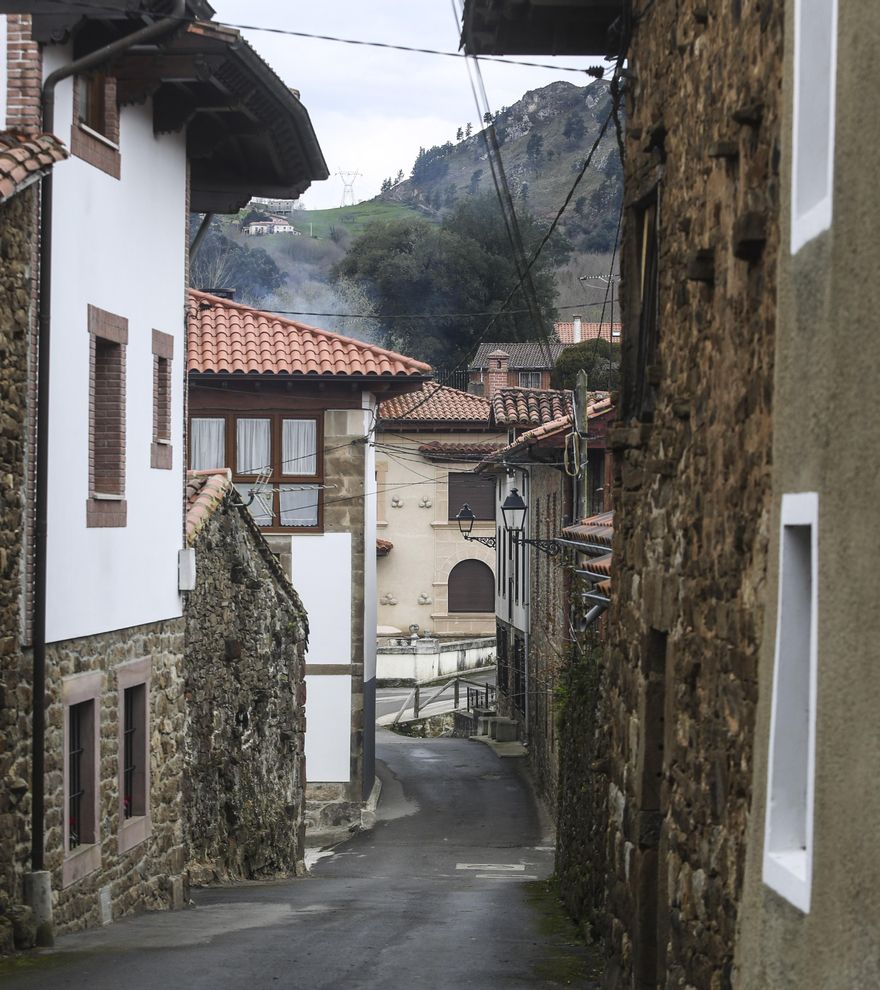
[372,108]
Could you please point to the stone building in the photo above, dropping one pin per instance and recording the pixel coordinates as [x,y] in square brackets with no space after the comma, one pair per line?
[692,465]
[244,682]
[22,161]
[98,730]
[292,410]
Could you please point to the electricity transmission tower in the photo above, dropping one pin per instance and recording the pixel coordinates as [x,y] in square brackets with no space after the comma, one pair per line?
[348,179]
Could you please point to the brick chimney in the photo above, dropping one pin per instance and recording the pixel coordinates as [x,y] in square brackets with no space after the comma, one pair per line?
[496,376]
[576,331]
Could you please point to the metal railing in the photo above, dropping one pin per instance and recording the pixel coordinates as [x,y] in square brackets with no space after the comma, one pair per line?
[478,695]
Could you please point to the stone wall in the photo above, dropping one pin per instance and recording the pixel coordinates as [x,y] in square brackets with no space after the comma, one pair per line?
[149,876]
[548,628]
[18,224]
[245,703]
[691,486]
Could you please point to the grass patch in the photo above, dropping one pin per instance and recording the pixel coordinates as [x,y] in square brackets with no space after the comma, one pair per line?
[568,960]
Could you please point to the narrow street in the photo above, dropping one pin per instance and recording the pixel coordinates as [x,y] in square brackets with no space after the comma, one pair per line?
[443,892]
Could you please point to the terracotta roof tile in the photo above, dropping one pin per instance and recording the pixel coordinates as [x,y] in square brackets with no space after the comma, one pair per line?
[530,406]
[597,529]
[229,338]
[23,159]
[205,490]
[589,331]
[522,354]
[439,404]
[436,450]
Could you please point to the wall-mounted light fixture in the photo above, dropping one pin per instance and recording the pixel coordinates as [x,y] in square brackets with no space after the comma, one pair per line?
[514,511]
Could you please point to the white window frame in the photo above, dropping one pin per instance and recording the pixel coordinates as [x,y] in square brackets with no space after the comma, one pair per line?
[788,822]
[808,223]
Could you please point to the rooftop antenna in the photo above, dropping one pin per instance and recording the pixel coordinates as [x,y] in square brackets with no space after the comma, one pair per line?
[348,180]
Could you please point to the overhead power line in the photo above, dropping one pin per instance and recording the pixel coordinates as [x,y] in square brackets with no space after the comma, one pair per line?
[596,71]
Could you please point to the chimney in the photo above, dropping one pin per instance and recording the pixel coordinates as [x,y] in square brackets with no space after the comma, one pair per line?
[576,332]
[497,374]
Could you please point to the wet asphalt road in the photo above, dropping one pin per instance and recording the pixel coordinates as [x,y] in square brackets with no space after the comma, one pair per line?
[436,895]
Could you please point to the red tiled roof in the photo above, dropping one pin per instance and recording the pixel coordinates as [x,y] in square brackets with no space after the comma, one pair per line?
[435,450]
[530,406]
[546,431]
[205,490]
[521,354]
[589,331]
[227,338]
[24,159]
[594,529]
[437,403]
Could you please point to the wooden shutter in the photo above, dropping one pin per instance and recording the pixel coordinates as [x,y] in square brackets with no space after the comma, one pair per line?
[471,587]
[476,490]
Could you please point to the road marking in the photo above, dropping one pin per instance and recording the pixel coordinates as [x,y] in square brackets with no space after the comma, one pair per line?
[500,867]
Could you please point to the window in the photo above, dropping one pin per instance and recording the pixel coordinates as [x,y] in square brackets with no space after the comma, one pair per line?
[95,132]
[207,444]
[471,587]
[163,351]
[475,489]
[81,695]
[788,828]
[815,86]
[133,680]
[530,379]
[276,465]
[109,335]
[81,774]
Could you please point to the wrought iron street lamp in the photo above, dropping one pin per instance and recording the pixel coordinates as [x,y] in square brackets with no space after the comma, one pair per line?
[466,519]
[513,510]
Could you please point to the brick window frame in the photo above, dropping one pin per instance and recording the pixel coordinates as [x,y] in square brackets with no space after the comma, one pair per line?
[135,676]
[161,450]
[94,133]
[108,337]
[85,858]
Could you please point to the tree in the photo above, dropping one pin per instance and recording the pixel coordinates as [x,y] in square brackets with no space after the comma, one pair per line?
[450,195]
[598,358]
[461,265]
[386,185]
[524,192]
[468,130]
[399,177]
[487,117]
[459,134]
[474,184]
[220,263]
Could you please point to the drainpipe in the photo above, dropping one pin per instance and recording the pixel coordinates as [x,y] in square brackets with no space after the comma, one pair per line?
[39,880]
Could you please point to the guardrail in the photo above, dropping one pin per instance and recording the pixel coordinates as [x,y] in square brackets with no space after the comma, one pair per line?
[479,695]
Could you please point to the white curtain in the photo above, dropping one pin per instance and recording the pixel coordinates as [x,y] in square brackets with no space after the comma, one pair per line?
[261,507]
[252,446]
[207,444]
[299,505]
[299,443]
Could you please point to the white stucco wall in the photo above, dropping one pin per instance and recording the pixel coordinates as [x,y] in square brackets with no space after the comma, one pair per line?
[370,594]
[506,607]
[119,245]
[328,728]
[321,568]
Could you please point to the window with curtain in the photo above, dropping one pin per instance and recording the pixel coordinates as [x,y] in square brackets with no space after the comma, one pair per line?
[253,446]
[299,446]
[299,505]
[207,444]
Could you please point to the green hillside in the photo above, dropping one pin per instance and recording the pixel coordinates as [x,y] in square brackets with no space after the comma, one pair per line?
[351,219]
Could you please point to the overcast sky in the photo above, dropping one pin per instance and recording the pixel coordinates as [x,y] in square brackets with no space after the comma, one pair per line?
[372,108]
